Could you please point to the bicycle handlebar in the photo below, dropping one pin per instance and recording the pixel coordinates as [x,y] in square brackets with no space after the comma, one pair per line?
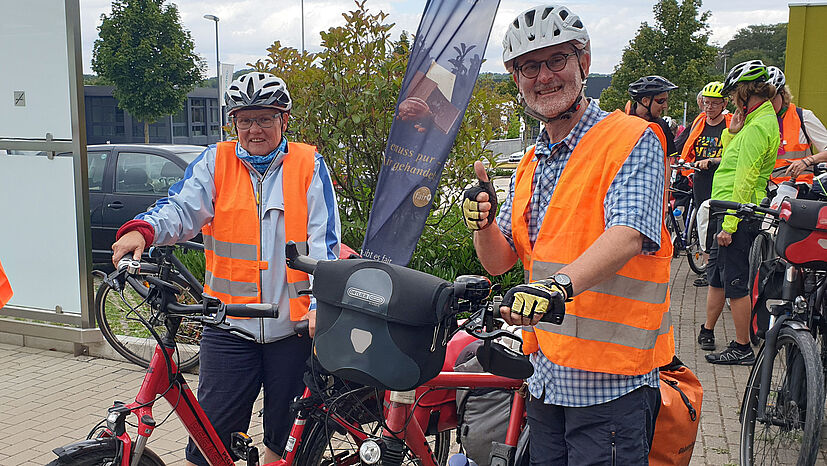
[741,210]
[685,166]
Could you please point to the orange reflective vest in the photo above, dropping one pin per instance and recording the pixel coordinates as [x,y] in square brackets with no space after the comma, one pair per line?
[791,148]
[5,288]
[622,325]
[688,152]
[232,241]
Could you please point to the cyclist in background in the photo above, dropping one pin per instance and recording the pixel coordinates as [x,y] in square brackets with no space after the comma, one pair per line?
[250,197]
[650,100]
[594,392]
[803,136]
[703,146]
[750,146]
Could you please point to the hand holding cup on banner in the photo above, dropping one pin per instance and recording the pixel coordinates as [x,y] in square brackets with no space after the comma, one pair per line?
[479,204]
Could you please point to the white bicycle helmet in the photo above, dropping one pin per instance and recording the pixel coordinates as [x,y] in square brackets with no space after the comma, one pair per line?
[257,89]
[541,27]
[777,77]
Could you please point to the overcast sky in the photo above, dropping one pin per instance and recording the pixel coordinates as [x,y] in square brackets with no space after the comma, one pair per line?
[248,27]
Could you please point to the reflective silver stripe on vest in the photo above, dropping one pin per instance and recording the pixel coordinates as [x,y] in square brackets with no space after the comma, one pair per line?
[222,285]
[231,250]
[294,288]
[798,154]
[618,285]
[609,332]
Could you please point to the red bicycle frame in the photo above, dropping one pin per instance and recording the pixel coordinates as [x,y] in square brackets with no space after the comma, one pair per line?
[398,415]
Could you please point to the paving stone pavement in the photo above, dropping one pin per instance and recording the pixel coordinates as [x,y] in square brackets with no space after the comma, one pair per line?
[49,398]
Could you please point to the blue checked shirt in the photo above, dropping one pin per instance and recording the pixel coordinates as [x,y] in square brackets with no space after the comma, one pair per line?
[634,199]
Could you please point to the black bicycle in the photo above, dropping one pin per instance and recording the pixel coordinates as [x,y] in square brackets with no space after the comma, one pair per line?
[783,404]
[685,228]
[116,311]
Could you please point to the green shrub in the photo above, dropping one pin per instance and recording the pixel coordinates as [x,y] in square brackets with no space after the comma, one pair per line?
[192,260]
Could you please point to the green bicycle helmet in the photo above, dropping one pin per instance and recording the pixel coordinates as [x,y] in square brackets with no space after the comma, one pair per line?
[752,70]
[713,89]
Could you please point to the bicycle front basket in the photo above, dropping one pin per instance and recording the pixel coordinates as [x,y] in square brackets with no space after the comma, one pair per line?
[380,324]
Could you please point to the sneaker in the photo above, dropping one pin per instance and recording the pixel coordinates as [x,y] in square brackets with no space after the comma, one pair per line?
[706,338]
[701,281]
[734,354]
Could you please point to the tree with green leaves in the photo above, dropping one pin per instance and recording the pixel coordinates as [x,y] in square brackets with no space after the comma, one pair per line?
[766,42]
[144,52]
[344,99]
[676,47]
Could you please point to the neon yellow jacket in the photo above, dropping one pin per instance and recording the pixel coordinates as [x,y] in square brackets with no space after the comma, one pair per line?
[747,161]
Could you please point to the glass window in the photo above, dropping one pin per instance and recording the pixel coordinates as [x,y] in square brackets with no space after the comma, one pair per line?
[199,117]
[105,119]
[144,173]
[97,164]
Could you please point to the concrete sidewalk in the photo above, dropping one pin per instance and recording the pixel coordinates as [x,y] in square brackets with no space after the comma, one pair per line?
[49,399]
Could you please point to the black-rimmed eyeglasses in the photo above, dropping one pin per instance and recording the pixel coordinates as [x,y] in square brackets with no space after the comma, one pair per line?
[554,63]
[262,122]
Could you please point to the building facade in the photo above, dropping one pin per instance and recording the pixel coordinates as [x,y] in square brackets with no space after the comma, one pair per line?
[197,123]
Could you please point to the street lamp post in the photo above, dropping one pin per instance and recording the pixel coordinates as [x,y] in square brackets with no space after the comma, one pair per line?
[302,26]
[217,79]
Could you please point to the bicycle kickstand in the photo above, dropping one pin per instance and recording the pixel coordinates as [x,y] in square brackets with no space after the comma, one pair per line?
[242,445]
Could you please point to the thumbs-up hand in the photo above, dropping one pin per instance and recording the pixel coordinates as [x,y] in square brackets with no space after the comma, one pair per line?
[479,204]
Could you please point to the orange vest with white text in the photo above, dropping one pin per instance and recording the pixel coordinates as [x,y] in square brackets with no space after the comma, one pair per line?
[232,241]
[791,148]
[5,288]
[622,325]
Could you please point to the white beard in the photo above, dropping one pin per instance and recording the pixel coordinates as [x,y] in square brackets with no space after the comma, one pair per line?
[552,105]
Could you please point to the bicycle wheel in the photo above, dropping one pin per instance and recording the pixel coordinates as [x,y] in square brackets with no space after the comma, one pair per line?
[330,444]
[760,251]
[103,454]
[790,432]
[697,258]
[128,336]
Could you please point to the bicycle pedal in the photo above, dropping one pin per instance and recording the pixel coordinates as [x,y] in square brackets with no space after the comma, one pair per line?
[242,446]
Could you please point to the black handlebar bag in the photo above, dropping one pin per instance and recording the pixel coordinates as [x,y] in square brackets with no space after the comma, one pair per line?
[380,324]
[802,238]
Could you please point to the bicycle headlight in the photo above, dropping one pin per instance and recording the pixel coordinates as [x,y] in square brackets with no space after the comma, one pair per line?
[370,452]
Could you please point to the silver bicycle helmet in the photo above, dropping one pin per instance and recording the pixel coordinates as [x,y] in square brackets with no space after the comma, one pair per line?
[649,86]
[777,77]
[752,70]
[257,89]
[541,27]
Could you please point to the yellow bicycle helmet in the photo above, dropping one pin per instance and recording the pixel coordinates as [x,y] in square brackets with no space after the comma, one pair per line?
[713,89]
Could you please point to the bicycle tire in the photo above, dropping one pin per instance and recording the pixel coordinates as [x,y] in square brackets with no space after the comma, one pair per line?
[784,438]
[759,251]
[129,338]
[103,454]
[694,254]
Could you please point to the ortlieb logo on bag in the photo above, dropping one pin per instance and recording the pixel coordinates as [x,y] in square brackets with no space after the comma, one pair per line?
[677,424]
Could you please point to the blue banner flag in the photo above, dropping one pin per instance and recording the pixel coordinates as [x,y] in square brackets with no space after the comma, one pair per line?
[440,77]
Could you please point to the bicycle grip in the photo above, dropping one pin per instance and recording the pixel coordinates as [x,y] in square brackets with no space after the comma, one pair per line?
[302,328]
[724,205]
[252,310]
[297,261]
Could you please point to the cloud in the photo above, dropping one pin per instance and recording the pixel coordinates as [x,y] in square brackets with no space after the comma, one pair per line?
[248,27]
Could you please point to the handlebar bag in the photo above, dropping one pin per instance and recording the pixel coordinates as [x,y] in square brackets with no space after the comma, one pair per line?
[802,239]
[381,324]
